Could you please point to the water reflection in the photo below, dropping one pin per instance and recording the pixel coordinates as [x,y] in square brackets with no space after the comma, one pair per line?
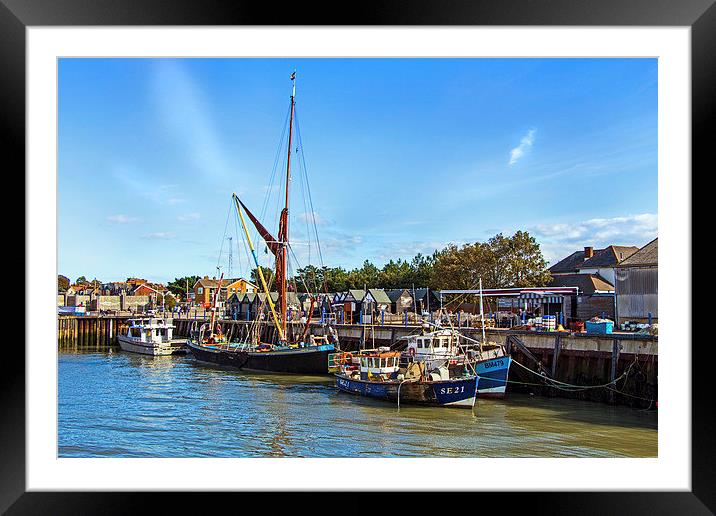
[122,404]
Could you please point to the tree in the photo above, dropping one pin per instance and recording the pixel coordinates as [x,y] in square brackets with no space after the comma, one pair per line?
[63,283]
[169,302]
[514,261]
[81,281]
[518,261]
[179,285]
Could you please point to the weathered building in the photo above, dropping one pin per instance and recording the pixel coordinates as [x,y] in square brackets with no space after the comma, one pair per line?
[134,303]
[426,300]
[593,272]
[233,306]
[637,282]
[595,297]
[205,287]
[374,302]
[594,261]
[401,300]
[106,303]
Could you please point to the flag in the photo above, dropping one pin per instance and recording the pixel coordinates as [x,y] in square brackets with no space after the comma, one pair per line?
[293,76]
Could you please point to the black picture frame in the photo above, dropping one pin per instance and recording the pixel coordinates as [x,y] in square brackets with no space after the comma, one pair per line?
[17,15]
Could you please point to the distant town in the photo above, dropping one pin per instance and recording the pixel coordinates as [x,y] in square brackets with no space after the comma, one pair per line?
[615,282]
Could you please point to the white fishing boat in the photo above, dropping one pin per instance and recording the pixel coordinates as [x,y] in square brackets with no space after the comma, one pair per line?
[447,348]
[151,336]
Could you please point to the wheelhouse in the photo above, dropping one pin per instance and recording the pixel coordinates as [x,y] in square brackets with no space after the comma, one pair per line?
[440,343]
[156,330]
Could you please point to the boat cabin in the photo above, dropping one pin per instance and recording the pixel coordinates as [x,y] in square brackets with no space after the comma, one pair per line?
[379,366]
[439,343]
[156,330]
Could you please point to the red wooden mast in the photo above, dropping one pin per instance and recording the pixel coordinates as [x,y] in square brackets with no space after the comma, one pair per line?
[282,255]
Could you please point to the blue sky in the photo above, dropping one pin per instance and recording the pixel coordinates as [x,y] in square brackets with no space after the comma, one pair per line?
[402,156]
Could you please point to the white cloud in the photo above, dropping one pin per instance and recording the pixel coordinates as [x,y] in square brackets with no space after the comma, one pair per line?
[160,235]
[312,216]
[561,239]
[121,219]
[142,184]
[407,250]
[188,217]
[525,143]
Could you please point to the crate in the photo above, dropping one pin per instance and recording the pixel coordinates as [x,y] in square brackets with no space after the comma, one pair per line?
[602,328]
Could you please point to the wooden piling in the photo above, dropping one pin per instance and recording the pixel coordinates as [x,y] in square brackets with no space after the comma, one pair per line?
[555,354]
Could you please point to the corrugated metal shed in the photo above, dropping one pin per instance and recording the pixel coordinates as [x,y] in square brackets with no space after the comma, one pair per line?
[637,291]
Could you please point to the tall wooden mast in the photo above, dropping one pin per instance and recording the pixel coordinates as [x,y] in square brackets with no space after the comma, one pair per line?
[282,255]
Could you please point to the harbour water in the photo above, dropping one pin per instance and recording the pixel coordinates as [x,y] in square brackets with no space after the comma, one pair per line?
[116,404]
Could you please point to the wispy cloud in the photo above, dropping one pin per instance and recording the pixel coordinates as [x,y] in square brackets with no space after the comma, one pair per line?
[160,235]
[143,185]
[122,219]
[560,239]
[188,217]
[312,216]
[185,112]
[525,144]
[407,250]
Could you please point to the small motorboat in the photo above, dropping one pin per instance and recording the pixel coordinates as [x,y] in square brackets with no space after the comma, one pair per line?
[151,336]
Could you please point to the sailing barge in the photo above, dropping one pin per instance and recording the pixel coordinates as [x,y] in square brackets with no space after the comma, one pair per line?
[295,352]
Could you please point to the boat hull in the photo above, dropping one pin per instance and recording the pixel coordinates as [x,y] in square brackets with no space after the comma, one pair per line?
[174,347]
[459,392]
[313,360]
[492,377]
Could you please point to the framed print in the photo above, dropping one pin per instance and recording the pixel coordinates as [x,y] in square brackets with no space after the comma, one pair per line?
[283,253]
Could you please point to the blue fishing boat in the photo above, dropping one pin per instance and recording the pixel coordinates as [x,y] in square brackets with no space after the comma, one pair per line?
[393,376]
[489,362]
[492,374]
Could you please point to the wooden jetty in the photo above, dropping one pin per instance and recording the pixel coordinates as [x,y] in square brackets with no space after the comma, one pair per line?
[571,359]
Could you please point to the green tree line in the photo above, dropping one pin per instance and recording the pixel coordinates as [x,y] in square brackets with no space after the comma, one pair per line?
[501,261]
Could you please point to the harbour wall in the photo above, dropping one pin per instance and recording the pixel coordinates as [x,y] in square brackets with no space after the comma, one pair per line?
[579,366]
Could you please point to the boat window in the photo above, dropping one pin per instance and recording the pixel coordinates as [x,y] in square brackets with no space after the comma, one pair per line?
[364,362]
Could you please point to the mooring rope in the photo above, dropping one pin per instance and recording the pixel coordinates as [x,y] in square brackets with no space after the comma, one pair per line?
[568,387]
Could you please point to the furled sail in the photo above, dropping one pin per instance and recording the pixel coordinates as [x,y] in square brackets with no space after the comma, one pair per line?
[271,242]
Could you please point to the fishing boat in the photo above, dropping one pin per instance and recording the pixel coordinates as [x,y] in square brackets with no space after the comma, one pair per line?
[397,377]
[294,350]
[489,361]
[151,336]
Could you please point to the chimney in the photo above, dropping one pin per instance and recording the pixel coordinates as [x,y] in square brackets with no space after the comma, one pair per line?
[588,252]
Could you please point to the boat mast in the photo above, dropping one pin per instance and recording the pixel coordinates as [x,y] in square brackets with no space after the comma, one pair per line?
[282,261]
[258,268]
[213,305]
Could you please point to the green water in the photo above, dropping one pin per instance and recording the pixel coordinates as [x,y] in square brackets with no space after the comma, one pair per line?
[119,404]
